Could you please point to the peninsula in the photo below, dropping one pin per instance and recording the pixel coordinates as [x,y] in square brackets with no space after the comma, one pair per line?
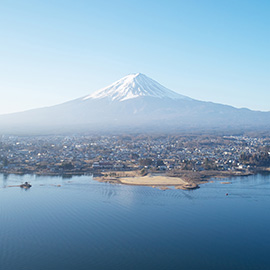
[185,180]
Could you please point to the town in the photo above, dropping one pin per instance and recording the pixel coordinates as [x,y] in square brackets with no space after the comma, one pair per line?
[68,155]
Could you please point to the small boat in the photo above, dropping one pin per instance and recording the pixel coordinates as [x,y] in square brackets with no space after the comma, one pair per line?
[25,185]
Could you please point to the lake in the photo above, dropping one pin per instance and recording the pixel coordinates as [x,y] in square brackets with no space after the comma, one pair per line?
[84,224]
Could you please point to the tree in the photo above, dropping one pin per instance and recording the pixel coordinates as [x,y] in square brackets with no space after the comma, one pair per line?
[5,162]
[67,166]
[145,161]
[160,162]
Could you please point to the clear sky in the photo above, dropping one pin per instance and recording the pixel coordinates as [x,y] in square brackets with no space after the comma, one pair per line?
[52,51]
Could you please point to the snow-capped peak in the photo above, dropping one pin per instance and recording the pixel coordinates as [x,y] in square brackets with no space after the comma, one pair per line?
[133,86]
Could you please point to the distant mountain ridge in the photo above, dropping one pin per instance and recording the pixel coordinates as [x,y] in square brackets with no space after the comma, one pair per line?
[134,103]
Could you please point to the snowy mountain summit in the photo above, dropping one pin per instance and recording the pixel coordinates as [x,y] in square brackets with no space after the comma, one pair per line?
[134,86]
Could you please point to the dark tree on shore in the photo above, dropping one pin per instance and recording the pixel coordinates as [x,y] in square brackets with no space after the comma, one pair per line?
[67,166]
[5,162]
[160,162]
[146,162]
[257,159]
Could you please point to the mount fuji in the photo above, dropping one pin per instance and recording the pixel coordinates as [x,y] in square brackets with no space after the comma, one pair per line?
[135,103]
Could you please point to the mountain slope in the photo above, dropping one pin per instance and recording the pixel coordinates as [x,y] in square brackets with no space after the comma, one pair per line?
[135,103]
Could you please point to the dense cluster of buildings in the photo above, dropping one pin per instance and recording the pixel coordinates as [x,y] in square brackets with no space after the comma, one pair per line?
[90,154]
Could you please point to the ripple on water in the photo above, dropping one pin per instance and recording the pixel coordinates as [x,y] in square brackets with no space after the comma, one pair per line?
[85,224]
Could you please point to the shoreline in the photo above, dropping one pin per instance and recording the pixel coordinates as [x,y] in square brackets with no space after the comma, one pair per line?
[190,174]
[185,180]
[160,181]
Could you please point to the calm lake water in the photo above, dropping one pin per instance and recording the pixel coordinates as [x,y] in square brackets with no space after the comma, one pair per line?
[85,224]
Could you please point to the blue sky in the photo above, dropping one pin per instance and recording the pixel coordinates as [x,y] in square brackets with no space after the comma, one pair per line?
[56,50]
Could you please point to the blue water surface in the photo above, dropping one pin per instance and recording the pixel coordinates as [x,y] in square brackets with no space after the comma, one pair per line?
[78,223]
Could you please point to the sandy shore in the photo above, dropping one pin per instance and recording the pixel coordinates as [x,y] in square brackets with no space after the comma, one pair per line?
[153,180]
[157,181]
